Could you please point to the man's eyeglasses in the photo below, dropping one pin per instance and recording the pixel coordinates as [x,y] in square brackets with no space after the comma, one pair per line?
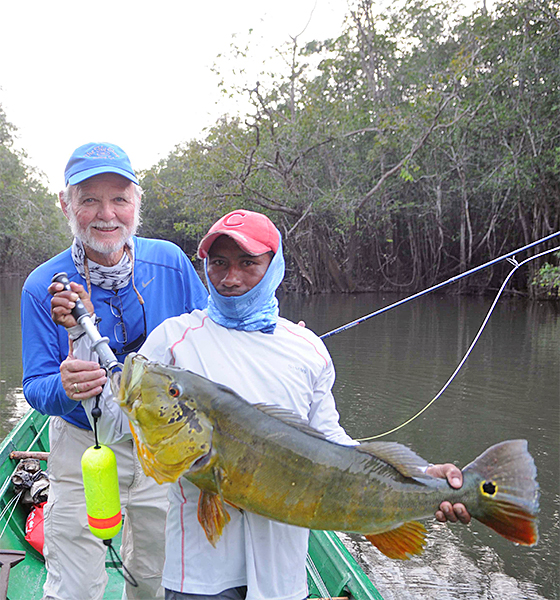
[121,334]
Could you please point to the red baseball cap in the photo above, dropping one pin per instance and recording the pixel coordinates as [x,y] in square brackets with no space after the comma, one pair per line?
[253,232]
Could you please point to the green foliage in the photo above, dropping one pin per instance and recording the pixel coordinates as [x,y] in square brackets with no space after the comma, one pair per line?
[32,228]
[418,143]
[199,180]
[546,282]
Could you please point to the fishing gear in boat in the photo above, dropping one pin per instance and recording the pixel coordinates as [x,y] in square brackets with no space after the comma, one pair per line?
[99,464]
[439,285]
[32,481]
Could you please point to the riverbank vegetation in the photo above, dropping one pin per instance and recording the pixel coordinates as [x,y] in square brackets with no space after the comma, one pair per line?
[32,228]
[416,145]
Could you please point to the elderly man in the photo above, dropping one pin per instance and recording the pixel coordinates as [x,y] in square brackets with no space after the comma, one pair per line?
[241,342]
[134,284]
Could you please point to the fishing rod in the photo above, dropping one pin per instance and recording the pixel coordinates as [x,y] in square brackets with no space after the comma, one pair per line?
[516,265]
[437,286]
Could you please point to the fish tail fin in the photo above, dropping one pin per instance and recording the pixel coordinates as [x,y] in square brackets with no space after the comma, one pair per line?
[508,499]
[402,542]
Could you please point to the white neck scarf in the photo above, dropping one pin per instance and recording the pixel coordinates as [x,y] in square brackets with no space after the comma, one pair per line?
[108,278]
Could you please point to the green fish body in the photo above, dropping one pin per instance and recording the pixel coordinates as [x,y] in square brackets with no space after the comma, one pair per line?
[266,460]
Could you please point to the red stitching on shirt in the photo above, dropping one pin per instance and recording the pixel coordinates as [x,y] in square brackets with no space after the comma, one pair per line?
[306,340]
[182,535]
[172,349]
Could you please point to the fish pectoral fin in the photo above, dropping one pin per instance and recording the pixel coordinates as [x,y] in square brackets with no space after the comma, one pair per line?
[212,516]
[403,542]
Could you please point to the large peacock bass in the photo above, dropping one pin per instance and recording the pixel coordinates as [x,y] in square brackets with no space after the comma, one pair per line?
[266,460]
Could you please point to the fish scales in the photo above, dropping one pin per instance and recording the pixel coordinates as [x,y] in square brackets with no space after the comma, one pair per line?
[273,461]
[266,460]
[317,483]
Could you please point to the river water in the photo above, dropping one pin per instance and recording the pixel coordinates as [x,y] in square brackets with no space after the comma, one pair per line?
[389,368]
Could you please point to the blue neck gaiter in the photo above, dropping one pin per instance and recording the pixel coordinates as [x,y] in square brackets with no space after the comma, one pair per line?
[257,310]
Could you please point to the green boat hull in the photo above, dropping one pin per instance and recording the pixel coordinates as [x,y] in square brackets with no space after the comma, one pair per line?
[331,569]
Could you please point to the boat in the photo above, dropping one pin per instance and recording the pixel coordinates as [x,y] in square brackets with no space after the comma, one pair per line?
[332,570]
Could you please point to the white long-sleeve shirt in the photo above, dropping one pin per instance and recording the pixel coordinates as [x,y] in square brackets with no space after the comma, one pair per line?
[290,368]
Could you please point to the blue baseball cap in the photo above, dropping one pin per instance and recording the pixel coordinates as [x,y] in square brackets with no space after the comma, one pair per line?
[96,158]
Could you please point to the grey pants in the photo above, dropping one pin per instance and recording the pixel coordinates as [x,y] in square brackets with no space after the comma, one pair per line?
[238,593]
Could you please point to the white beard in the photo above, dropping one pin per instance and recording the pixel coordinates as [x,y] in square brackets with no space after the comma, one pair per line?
[87,237]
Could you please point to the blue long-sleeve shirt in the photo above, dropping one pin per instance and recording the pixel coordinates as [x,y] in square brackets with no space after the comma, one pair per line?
[163,275]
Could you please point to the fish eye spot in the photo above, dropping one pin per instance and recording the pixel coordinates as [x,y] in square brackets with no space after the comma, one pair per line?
[174,390]
[489,488]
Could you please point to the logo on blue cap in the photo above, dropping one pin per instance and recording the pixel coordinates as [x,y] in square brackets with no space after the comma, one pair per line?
[97,158]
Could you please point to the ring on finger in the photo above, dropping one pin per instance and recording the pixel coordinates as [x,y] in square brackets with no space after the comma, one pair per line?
[76,389]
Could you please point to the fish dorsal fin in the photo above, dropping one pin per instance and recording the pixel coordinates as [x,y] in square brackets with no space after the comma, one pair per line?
[407,462]
[290,418]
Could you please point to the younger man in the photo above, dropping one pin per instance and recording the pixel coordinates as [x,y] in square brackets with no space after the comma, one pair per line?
[241,342]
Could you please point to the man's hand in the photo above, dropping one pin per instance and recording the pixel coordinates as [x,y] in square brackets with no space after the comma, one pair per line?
[63,301]
[81,379]
[447,511]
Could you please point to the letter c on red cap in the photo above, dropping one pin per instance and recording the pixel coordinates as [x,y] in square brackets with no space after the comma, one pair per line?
[234,220]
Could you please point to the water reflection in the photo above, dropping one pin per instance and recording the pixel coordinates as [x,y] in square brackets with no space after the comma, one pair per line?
[13,406]
[12,403]
[444,572]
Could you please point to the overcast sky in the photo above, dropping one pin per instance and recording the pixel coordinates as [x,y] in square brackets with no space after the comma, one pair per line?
[134,73]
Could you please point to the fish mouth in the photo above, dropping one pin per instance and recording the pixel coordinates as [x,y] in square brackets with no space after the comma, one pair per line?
[125,384]
[203,462]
